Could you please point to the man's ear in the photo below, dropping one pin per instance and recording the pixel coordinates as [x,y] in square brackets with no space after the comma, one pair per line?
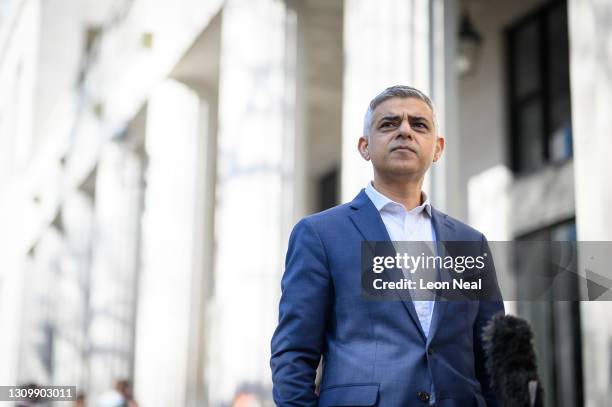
[439,148]
[362,146]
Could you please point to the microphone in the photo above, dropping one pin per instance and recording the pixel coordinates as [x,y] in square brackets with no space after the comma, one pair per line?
[511,362]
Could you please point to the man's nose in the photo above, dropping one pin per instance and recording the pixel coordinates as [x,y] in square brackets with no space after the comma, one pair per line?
[405,130]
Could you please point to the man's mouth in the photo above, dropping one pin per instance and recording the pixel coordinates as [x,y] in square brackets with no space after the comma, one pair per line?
[403,148]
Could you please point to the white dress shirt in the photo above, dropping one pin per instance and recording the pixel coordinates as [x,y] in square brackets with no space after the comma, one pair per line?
[407,225]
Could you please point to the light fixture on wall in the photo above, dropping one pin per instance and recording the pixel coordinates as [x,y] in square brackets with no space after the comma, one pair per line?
[470,45]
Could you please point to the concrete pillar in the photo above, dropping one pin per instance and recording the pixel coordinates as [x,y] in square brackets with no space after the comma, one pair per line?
[256,114]
[38,346]
[590,37]
[168,229]
[19,35]
[198,69]
[443,180]
[116,236]
[72,292]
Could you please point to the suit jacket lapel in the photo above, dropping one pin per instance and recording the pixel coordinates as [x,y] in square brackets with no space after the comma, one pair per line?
[368,221]
[444,231]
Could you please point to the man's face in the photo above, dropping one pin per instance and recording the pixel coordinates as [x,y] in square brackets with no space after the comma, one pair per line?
[402,142]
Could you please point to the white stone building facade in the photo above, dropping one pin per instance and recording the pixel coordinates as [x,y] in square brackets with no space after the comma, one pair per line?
[154,156]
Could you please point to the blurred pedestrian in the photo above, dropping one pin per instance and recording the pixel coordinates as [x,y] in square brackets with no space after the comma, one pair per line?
[125,388]
[80,400]
[119,396]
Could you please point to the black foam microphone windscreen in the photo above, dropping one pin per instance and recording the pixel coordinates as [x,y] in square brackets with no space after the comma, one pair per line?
[511,362]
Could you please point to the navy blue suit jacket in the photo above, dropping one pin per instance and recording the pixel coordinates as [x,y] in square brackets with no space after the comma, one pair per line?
[374,352]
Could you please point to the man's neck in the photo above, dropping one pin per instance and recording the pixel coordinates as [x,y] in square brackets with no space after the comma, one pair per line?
[406,193]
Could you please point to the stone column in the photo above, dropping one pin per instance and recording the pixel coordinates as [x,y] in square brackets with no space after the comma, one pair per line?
[115,257]
[169,228]
[256,128]
[590,37]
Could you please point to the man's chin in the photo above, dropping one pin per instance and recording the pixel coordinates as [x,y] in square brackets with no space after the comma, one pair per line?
[408,173]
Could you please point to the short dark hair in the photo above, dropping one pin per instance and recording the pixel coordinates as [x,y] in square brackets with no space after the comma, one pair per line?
[396,91]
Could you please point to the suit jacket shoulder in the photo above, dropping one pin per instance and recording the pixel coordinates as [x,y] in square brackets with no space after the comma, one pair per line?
[460,229]
[329,220]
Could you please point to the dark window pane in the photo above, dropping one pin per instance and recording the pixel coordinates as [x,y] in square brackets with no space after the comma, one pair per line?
[526,65]
[540,316]
[531,148]
[538,313]
[568,353]
[559,114]
[540,88]
[560,139]
[556,324]
[558,52]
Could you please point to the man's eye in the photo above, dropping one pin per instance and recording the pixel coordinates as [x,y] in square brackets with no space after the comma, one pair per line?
[420,125]
[386,124]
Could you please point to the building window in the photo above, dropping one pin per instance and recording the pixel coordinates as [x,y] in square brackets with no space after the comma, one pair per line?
[556,327]
[539,88]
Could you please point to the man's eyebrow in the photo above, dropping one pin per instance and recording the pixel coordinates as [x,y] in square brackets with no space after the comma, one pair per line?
[391,118]
[423,118]
[397,117]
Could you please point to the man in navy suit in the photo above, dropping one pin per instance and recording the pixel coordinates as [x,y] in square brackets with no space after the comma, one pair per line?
[379,353]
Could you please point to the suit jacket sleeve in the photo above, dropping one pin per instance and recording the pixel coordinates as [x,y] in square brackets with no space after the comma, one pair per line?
[492,305]
[298,342]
